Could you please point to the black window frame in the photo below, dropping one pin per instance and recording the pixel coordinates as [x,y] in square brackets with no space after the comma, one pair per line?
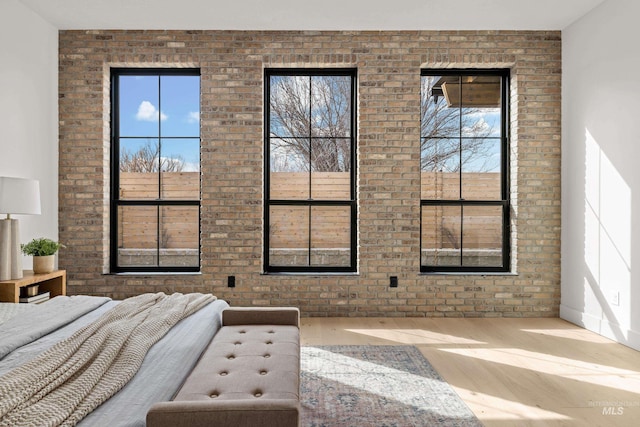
[504,201]
[268,202]
[116,202]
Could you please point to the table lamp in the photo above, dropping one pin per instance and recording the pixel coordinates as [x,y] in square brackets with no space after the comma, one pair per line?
[18,196]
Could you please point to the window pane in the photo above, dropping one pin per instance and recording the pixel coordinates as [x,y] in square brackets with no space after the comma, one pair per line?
[331,236]
[289,185]
[139,162]
[482,236]
[481,176]
[331,106]
[289,178]
[330,165]
[180,103]
[440,160]
[289,105]
[481,122]
[331,185]
[330,154]
[439,118]
[480,94]
[139,106]
[289,235]
[137,236]
[439,154]
[440,185]
[441,235]
[181,185]
[180,166]
[179,236]
[289,154]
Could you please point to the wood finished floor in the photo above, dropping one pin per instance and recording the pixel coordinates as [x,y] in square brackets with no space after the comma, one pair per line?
[511,372]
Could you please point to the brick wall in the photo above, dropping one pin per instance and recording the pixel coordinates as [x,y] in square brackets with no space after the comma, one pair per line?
[388,63]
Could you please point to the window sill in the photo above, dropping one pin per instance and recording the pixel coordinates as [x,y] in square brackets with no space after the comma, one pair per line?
[155,273]
[323,274]
[468,273]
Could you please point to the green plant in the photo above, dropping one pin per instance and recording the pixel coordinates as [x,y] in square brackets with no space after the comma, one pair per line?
[41,247]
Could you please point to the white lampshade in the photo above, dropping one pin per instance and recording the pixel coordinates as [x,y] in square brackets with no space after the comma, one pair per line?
[19,196]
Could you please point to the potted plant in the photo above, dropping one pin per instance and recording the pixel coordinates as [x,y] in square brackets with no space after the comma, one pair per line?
[43,251]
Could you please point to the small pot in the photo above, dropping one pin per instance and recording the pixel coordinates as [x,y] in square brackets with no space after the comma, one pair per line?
[43,264]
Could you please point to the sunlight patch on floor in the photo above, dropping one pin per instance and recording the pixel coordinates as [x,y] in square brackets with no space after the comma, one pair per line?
[487,407]
[590,372]
[572,334]
[415,336]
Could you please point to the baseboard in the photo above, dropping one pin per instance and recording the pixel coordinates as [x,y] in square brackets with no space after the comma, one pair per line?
[602,327]
[634,340]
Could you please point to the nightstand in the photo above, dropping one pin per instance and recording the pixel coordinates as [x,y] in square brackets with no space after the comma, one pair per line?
[55,283]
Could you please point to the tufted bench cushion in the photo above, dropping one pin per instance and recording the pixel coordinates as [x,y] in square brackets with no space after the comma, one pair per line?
[248,375]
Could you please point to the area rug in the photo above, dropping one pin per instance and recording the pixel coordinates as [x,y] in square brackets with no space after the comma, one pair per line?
[381,386]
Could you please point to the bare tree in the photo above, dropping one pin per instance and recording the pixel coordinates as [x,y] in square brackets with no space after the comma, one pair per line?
[147,159]
[311,123]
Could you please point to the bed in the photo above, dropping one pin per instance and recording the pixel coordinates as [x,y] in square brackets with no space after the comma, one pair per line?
[27,331]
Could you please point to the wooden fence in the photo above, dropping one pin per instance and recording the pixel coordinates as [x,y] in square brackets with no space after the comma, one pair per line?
[138,226]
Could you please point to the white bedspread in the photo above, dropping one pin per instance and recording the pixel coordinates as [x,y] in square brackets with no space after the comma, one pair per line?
[10,309]
[30,325]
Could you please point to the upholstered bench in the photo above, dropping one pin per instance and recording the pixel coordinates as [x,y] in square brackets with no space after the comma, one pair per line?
[248,376]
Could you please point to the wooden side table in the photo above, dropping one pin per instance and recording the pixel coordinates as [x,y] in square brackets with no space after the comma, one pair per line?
[55,283]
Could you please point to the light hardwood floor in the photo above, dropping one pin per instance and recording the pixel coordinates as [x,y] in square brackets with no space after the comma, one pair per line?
[511,372]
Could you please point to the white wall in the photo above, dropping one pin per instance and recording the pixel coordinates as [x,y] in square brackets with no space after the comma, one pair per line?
[29,111]
[601,172]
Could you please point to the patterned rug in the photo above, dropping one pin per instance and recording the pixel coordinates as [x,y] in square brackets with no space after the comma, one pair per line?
[381,386]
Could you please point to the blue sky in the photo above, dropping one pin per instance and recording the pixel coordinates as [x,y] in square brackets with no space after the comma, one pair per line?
[171,109]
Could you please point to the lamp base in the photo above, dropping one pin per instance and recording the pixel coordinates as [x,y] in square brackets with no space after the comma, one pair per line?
[10,256]
[5,249]
[16,254]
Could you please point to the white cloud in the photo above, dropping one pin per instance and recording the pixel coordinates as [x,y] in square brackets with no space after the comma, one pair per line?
[147,112]
[193,117]
[191,167]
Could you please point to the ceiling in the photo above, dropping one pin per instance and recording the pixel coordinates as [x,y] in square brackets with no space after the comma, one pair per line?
[312,15]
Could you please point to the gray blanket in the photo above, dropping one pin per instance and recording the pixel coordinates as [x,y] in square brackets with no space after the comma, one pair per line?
[42,319]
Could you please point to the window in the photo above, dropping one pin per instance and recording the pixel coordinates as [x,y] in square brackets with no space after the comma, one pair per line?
[464,167]
[155,170]
[310,195]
